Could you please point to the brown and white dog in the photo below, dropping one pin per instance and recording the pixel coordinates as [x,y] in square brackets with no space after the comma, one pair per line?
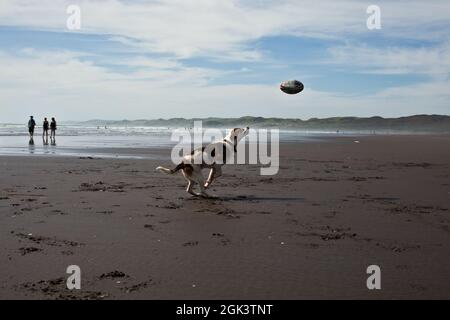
[212,157]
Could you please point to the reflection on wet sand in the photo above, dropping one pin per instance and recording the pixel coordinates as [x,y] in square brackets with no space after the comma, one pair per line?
[31,147]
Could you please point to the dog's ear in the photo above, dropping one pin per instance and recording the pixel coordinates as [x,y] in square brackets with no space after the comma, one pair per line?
[235,131]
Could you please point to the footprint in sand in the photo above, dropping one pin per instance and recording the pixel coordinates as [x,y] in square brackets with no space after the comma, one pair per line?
[56,289]
[26,250]
[190,244]
[113,275]
[138,286]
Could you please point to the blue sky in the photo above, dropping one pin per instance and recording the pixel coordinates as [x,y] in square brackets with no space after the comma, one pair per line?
[153,59]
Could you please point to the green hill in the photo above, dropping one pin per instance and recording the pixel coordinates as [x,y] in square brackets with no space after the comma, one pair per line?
[416,123]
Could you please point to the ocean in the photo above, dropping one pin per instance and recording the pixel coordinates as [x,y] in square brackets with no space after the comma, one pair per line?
[119,142]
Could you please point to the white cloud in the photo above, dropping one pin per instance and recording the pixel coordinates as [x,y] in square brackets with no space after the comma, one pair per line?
[72,89]
[188,28]
[394,60]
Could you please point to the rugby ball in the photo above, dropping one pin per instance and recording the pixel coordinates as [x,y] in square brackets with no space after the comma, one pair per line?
[291,86]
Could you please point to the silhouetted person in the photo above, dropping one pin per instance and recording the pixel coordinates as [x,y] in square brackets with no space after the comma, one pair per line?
[31,125]
[45,127]
[53,131]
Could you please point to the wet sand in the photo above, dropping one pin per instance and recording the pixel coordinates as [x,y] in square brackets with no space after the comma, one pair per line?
[336,207]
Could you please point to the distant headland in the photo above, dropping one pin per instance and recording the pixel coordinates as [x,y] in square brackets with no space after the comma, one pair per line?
[415,123]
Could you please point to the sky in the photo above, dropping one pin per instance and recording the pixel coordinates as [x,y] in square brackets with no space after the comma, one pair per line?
[215,58]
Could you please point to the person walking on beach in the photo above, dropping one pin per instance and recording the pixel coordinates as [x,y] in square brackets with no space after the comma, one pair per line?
[31,125]
[45,127]
[53,131]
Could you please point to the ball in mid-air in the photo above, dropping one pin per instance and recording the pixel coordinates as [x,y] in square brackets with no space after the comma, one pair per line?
[291,86]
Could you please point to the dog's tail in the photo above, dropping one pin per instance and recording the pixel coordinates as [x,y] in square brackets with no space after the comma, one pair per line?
[171,171]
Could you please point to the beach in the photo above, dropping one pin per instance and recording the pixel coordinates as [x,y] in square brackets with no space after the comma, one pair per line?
[337,206]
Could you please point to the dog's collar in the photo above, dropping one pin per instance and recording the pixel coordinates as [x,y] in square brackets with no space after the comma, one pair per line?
[228,141]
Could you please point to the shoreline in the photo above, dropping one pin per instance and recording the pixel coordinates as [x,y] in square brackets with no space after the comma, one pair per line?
[155,151]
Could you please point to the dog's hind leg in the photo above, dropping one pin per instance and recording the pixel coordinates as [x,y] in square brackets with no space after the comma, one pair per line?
[189,189]
[194,176]
[198,178]
[172,171]
[189,174]
[202,191]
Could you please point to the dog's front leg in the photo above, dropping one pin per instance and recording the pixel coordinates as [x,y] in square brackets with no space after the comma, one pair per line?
[210,179]
[216,172]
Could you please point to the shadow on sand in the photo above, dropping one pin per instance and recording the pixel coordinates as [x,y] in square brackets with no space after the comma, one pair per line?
[248,198]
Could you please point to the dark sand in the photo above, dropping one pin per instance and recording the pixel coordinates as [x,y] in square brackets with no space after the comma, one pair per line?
[335,208]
